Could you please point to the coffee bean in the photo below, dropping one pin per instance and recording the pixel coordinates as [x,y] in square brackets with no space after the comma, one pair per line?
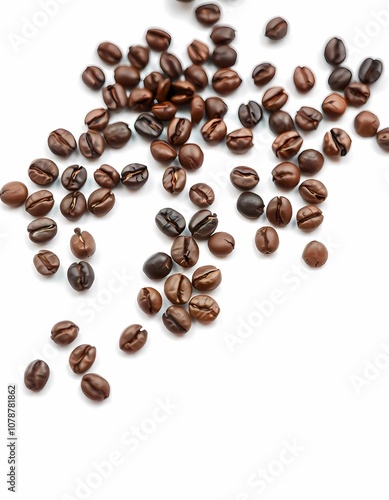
[274,98]
[42,230]
[158,266]
[43,171]
[170,65]
[263,74]
[174,180]
[339,78]
[95,387]
[206,278]
[197,109]
[357,94]
[276,28]
[46,262]
[82,358]
[336,143]
[64,332]
[279,211]
[164,110]
[202,224]
[117,134]
[197,76]
[141,99]
[208,14]
[303,78]
[280,121]
[91,144]
[308,118]
[170,222]
[224,56]
[133,338]
[73,206]
[178,131]
[107,176]
[313,191]
[182,92]
[14,194]
[178,289]
[221,244]
[383,139]
[93,77]
[109,53]
[370,70]
[240,141]
[134,176]
[204,308]
[127,76]
[201,195]
[287,145]
[74,177]
[198,52]
[366,124]
[215,107]
[244,178]
[335,51]
[250,114]
[185,251]
[115,97]
[97,119]
[191,156]
[149,300]
[162,151]
[158,39]
[222,35]
[286,175]
[138,55]
[310,161]
[214,130]
[153,80]
[82,244]
[81,276]
[334,106]
[225,81]
[101,201]
[148,126]
[61,142]
[250,205]
[266,240]
[36,375]
[315,254]
[176,320]
[163,90]
[39,203]
[309,218]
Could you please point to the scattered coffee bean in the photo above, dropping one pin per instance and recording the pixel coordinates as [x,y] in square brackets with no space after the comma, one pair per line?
[178,131]
[208,14]
[14,194]
[36,375]
[101,201]
[221,244]
[224,56]
[308,118]
[81,276]
[127,76]
[170,65]
[133,338]
[274,98]
[117,134]
[266,240]
[82,358]
[185,251]
[286,175]
[276,28]
[141,99]
[149,300]
[138,55]
[336,143]
[215,107]
[309,218]
[97,119]
[222,35]
[244,178]
[82,244]
[107,176]
[115,97]
[109,53]
[240,140]
[43,171]
[64,332]
[162,151]
[182,92]
[383,139]
[310,161]
[158,266]
[250,205]
[73,206]
[263,74]
[39,203]
[313,191]
[95,387]
[42,230]
[134,176]
[197,76]
[74,177]
[191,156]
[197,109]
[280,121]
[334,105]
[153,80]
[370,70]
[158,40]
[178,289]
[303,78]
[335,51]
[198,52]
[201,195]
[170,222]
[46,263]
[339,78]
[174,180]
[91,144]
[202,224]
[225,81]
[61,142]
[214,130]
[287,144]
[148,126]
[357,94]
[93,77]
[177,320]
[250,114]
[366,124]
[315,254]
[279,211]
[204,308]
[206,278]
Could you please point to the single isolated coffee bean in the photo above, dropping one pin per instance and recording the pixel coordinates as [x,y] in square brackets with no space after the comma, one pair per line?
[101,201]
[279,211]
[310,161]
[36,375]
[127,76]
[315,254]
[178,131]
[370,70]
[225,81]
[133,338]
[240,140]
[244,178]
[82,244]
[158,266]
[97,119]
[276,28]
[334,106]
[74,177]
[170,222]
[266,240]
[221,244]
[204,308]
[198,52]
[201,195]
[250,114]
[313,191]
[109,53]
[164,110]
[141,99]
[197,109]
[178,289]
[117,134]
[115,97]
[280,121]
[206,278]
[93,77]
[366,124]
[309,218]
[304,79]
[191,157]
[46,263]
[134,176]
[42,230]
[274,98]
[208,14]
[214,130]
[14,194]
[215,107]
[107,176]
[250,205]
[224,56]
[61,142]
[287,144]
[82,358]
[286,175]
[138,55]
[335,51]
[158,39]
[263,74]
[202,224]
[95,387]
[174,180]
[197,76]
[64,332]
[43,171]
[149,300]
[383,139]
[73,206]
[357,94]
[177,320]
[185,251]
[222,35]
[308,118]
[92,144]
[81,276]
[336,143]
[339,78]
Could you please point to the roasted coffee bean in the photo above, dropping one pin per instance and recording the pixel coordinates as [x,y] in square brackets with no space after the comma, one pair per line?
[197,76]
[191,156]
[174,179]
[127,76]
[117,134]
[178,131]
[215,107]
[95,387]
[263,74]
[222,35]
[43,171]
[101,201]
[73,206]
[138,55]
[279,211]
[313,191]
[141,99]
[336,143]
[250,205]
[201,195]
[221,244]
[309,218]
[134,176]
[61,142]
[370,70]
[64,332]
[93,77]
[204,308]
[280,121]
[107,176]
[202,224]
[357,94]
[224,56]
[42,230]
[158,266]
[74,177]
[335,51]
[185,251]
[164,110]
[310,161]
[46,263]
[148,126]
[133,338]
[266,240]
[303,78]
[39,203]
[170,222]
[81,276]
[206,278]
[92,144]
[244,178]
[149,300]
[214,130]
[286,175]
[197,109]
[14,194]
[334,106]
[182,92]
[153,80]
[274,98]
[115,97]
[178,289]
[208,14]
[287,145]
[170,65]
[315,254]
[97,119]
[158,39]
[276,28]
[383,139]
[177,320]
[36,375]
[198,52]
[225,81]
[163,90]
[366,124]
[162,151]
[250,114]
[109,53]
[240,141]
[339,78]
[308,118]
[82,244]
[82,358]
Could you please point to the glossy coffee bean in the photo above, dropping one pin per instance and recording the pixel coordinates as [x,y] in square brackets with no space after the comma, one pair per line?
[46,263]
[215,107]
[357,94]
[370,70]
[133,338]
[73,206]
[138,55]
[202,224]
[177,320]
[185,251]
[224,56]
[198,52]
[197,76]
[315,254]
[81,276]
[127,76]
[164,110]
[93,77]
[250,205]
[101,201]
[280,121]
[14,194]
[97,119]
[43,171]
[222,35]
[206,278]
[197,109]
[36,375]
[276,28]
[214,130]
[225,81]
[91,144]
[286,175]
[240,140]
[287,144]
[304,79]
[178,131]
[162,151]
[191,157]
[201,195]
[82,358]
[141,99]
[61,142]
[74,177]
[182,92]
[250,114]
[279,211]
[158,39]
[95,387]
[334,106]
[339,78]
[134,176]
[313,191]
[42,230]
[336,143]
[366,124]
[309,218]
[39,203]
[308,118]
[148,126]
[266,240]
[274,98]
[64,332]
[153,80]
[178,289]
[310,161]
[174,180]
[383,139]
[107,176]
[171,65]
[335,51]
[82,244]
[221,244]
[244,178]
[203,308]
[115,96]
[149,300]
[109,53]
[117,134]
[170,222]
[263,74]
[158,266]
[208,14]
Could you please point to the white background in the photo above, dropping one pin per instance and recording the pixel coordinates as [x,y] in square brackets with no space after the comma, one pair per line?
[290,379]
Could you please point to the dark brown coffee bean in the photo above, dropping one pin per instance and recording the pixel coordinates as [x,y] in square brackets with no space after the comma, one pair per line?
[178,289]
[127,76]
[202,224]
[191,156]
[266,240]
[383,139]
[250,205]
[61,142]
[107,176]
[315,254]
[224,56]
[148,126]
[335,51]
[82,244]
[170,65]
[244,178]
[370,70]
[170,222]
[36,375]
[336,143]
[206,278]
[250,114]
[357,94]
[197,76]
[286,175]
[222,35]
[313,191]
[276,28]
[97,119]
[93,77]
[43,171]
[178,131]
[308,118]
[141,99]
[158,266]
[115,96]
[221,244]
[152,81]
[82,358]
[309,218]
[81,276]
[366,124]
[204,308]
[162,151]
[42,230]
[287,145]
[198,52]
[92,144]
[101,201]
[14,194]
[138,55]
[185,251]
[214,130]
[310,161]
[149,300]
[133,338]
[39,203]
[73,206]
[225,81]
[197,109]
[164,110]
[74,177]
[208,14]
[303,78]
[240,141]
[64,332]
[280,121]
[158,39]
[109,53]
[182,92]
[274,98]
[117,134]
[46,263]
[334,106]
[339,78]
[279,211]
[174,180]
[163,90]
[263,74]
[177,320]
[95,387]
[134,176]
[215,107]
[201,195]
